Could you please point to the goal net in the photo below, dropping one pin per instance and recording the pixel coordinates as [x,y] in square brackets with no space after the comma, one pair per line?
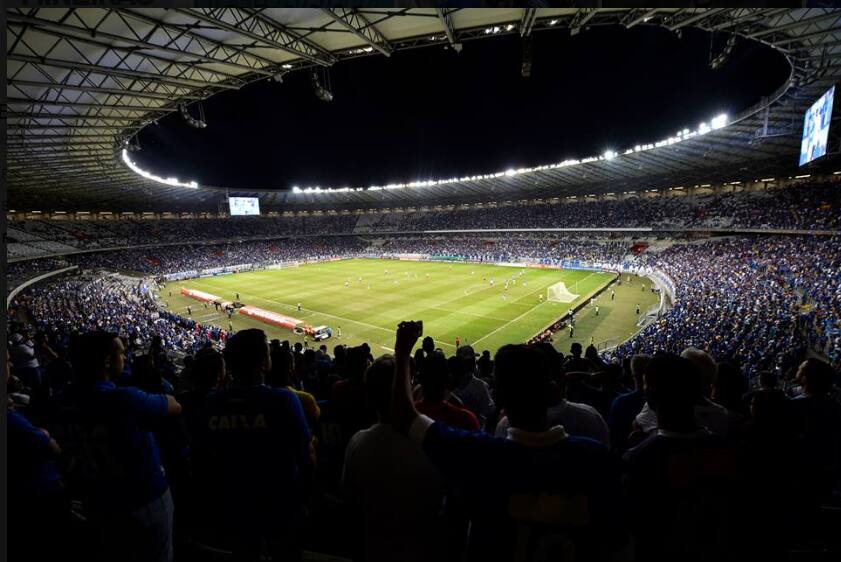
[559,293]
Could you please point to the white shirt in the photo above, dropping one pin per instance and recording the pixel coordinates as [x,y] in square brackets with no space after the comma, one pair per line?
[707,414]
[577,419]
[397,494]
[476,397]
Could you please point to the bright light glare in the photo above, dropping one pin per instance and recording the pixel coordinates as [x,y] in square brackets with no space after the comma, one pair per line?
[149,176]
[719,121]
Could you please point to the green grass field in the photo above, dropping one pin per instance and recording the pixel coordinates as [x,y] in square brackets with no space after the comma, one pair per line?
[451,299]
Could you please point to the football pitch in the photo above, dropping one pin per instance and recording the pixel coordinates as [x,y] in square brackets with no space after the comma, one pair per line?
[453,300]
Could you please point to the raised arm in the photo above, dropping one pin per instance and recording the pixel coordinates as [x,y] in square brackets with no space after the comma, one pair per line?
[402,407]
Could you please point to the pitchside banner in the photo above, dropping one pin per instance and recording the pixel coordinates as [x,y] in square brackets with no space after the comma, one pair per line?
[269,317]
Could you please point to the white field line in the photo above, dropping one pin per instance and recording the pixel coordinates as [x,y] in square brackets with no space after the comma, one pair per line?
[343,319]
[489,334]
[517,318]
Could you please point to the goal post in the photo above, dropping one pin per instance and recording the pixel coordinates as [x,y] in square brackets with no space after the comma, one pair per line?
[559,293]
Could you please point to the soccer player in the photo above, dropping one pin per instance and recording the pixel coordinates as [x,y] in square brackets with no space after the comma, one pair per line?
[347,284]
[492,282]
[592,301]
[237,294]
[189,311]
[360,279]
[458,342]
[612,294]
[638,308]
[597,310]
[571,329]
[540,297]
[338,332]
[299,307]
[643,288]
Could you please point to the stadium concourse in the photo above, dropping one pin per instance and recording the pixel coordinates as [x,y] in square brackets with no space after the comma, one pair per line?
[646,367]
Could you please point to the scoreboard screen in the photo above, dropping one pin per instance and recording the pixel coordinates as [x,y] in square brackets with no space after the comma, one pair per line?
[816,128]
[244,205]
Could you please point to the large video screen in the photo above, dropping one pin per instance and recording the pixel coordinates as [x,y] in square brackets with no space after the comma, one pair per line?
[816,128]
[244,205]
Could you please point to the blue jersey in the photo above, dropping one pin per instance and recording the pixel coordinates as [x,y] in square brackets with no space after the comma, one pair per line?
[122,463]
[555,502]
[32,470]
[258,442]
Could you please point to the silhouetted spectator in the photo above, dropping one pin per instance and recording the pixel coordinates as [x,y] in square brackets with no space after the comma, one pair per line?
[535,461]
[395,496]
[260,443]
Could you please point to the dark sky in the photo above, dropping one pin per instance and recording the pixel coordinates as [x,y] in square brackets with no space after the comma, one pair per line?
[431,113]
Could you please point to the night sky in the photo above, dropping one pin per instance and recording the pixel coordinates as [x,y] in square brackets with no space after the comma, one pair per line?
[431,113]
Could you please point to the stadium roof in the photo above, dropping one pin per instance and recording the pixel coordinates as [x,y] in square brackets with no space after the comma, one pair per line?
[82,81]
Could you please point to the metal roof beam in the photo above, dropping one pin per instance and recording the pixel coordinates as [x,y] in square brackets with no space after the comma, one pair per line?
[356,23]
[69,117]
[697,18]
[802,38]
[38,126]
[191,66]
[121,72]
[527,23]
[299,43]
[97,90]
[644,17]
[758,14]
[251,25]
[834,15]
[59,103]
[230,55]
[447,24]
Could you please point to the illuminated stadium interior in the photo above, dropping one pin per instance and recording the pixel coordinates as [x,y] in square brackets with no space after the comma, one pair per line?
[423,283]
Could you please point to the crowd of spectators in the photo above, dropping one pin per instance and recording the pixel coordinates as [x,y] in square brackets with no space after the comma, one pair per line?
[191,257]
[759,301]
[116,453]
[731,293]
[806,206]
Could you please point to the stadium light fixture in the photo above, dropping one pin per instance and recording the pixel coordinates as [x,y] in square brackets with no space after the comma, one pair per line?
[553,22]
[609,154]
[719,121]
[192,121]
[804,176]
[768,179]
[149,176]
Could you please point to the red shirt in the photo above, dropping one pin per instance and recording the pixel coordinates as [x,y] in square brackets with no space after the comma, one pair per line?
[449,414]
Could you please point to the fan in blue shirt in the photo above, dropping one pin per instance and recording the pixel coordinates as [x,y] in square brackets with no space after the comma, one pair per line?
[125,487]
[258,444]
[539,494]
